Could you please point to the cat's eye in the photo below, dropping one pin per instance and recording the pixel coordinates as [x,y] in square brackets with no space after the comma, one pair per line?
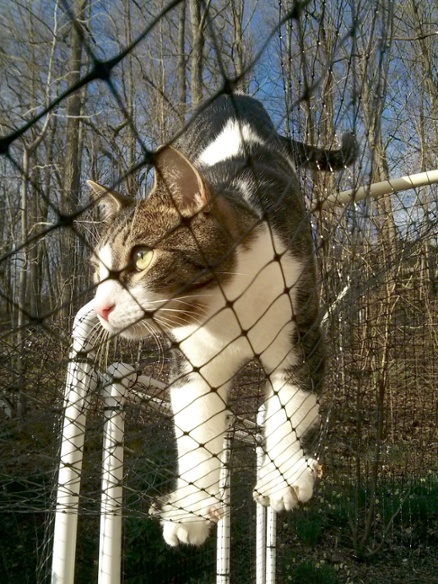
[141,257]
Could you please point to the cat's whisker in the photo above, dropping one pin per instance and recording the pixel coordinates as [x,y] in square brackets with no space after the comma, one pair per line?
[101,344]
[192,314]
[232,274]
[157,337]
[175,320]
[183,320]
[198,295]
[180,301]
[164,303]
[181,316]
[163,320]
[197,309]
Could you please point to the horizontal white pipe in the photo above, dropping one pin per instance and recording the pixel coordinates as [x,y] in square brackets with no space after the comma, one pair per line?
[379,189]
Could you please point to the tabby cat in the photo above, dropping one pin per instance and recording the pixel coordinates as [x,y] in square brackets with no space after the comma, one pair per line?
[219,258]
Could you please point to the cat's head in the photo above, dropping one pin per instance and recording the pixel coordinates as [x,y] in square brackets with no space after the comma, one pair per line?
[160,260]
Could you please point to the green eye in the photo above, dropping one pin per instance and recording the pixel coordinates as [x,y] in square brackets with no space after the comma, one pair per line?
[142,257]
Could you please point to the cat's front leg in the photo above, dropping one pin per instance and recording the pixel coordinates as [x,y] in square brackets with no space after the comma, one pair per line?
[200,421]
[288,473]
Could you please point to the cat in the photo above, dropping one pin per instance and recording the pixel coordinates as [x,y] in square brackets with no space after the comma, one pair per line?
[219,257]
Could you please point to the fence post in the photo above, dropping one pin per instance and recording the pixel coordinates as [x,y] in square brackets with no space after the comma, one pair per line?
[260,509]
[224,525]
[81,380]
[271,545]
[266,521]
[118,380]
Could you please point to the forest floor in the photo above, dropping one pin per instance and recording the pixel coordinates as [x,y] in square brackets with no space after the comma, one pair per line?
[354,531]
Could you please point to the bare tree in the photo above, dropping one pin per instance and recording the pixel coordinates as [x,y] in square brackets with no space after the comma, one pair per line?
[197,61]
[72,160]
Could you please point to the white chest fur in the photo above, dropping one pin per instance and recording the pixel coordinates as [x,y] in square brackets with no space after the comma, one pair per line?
[251,315]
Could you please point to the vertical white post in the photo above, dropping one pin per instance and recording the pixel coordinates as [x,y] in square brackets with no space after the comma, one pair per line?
[271,546]
[119,378]
[260,509]
[81,380]
[224,525]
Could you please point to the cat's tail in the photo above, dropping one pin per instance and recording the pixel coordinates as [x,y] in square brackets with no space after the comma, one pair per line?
[316,158]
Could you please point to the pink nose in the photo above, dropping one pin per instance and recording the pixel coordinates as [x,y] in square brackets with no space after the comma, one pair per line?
[104,310]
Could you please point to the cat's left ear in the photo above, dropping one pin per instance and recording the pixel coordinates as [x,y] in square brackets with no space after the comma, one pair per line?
[111,202]
[181,179]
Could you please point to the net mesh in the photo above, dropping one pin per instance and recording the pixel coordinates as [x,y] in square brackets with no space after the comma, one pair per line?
[90,90]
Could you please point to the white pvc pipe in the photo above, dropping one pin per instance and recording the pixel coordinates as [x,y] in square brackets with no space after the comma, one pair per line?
[271,545]
[382,188]
[260,560]
[119,378]
[81,380]
[223,541]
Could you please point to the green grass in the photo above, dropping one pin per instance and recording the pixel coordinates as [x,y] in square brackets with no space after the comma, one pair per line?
[312,573]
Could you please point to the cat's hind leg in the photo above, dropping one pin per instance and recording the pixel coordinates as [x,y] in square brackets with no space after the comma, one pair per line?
[288,472]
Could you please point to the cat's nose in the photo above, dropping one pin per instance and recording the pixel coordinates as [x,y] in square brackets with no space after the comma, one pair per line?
[104,310]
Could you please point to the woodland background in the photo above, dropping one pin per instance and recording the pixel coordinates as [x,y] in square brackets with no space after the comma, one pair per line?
[86,88]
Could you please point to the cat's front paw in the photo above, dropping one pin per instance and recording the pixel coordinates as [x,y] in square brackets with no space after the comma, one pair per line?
[190,525]
[285,490]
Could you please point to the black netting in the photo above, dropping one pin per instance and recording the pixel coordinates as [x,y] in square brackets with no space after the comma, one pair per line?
[91,90]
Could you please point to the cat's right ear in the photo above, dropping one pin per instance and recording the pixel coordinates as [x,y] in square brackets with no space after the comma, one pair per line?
[111,202]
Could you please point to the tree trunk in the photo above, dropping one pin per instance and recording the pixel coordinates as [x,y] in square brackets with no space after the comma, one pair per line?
[238,53]
[181,67]
[72,169]
[197,52]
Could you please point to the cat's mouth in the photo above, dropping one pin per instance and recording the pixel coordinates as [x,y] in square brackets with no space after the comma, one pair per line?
[134,331]
[171,315]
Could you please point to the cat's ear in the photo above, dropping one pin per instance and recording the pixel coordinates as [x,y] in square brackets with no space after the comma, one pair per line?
[181,179]
[111,202]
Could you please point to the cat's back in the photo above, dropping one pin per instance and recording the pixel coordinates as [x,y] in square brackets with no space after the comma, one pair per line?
[231,128]
[234,144]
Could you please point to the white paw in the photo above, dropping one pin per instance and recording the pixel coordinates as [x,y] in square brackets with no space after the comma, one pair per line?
[189,524]
[284,491]
[193,533]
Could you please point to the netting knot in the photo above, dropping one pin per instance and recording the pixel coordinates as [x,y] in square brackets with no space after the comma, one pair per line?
[102,69]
